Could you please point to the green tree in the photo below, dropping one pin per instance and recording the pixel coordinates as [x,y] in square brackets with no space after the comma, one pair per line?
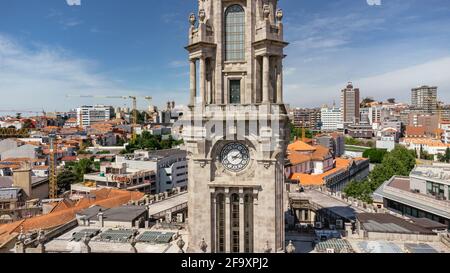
[65,179]
[83,167]
[445,157]
[375,155]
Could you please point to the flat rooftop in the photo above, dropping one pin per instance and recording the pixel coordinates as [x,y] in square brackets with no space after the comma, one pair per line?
[121,214]
[107,240]
[387,223]
[324,201]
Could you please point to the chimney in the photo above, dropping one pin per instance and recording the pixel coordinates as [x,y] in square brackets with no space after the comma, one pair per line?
[22,179]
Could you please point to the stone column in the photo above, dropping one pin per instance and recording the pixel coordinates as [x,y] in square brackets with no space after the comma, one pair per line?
[241,221]
[203,79]
[266,79]
[193,81]
[227,222]
[280,81]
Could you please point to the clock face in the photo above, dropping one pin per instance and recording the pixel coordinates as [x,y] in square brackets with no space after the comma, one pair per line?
[235,157]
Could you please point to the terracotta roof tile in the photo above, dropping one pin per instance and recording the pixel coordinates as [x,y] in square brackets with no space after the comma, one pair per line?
[300,146]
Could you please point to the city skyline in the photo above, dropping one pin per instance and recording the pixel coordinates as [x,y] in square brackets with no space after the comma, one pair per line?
[62,49]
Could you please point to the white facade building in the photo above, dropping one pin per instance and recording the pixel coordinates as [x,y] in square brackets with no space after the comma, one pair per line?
[331,119]
[88,115]
[170,167]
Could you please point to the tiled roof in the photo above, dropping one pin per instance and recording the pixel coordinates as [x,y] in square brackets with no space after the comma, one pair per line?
[415,131]
[321,153]
[65,212]
[300,146]
[426,141]
[318,179]
[298,158]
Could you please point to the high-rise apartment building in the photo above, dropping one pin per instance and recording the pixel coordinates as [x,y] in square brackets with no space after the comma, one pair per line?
[424,98]
[350,103]
[307,118]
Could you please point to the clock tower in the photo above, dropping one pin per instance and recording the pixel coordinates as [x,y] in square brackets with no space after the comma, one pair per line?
[236,128]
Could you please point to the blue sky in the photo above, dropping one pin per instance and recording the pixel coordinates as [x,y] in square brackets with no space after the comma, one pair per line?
[49,49]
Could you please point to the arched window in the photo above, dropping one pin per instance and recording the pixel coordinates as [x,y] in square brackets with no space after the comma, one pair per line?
[234,33]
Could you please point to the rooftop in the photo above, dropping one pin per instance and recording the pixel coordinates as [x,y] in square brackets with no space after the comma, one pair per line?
[387,223]
[121,213]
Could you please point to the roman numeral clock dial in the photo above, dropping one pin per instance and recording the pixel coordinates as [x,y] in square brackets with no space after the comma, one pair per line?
[235,157]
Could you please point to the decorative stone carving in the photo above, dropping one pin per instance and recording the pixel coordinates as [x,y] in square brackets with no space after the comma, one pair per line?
[279,15]
[201,15]
[267,248]
[181,244]
[203,245]
[290,248]
[192,19]
[266,12]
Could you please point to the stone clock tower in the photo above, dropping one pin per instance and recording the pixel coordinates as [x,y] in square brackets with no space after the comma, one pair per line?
[236,127]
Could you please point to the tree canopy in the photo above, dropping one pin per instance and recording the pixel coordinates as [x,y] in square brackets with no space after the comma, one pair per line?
[399,161]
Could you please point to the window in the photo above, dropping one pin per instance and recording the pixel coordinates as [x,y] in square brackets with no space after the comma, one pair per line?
[248,221]
[235,223]
[220,223]
[234,33]
[435,189]
[235,91]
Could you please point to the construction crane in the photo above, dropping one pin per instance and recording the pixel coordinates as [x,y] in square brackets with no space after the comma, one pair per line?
[53,179]
[134,102]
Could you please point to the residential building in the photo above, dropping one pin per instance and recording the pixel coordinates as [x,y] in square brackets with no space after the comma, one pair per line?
[424,98]
[387,139]
[429,122]
[424,194]
[359,130]
[350,104]
[118,175]
[331,119]
[25,151]
[432,146]
[307,118]
[315,166]
[170,167]
[89,115]
[415,132]
[445,127]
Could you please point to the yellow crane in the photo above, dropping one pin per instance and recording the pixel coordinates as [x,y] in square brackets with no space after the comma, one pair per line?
[134,106]
[53,179]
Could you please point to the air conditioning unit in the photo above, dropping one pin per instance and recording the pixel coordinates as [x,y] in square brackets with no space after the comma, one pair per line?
[319,225]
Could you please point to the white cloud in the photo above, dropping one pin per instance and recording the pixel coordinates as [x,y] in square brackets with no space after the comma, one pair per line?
[73,2]
[42,77]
